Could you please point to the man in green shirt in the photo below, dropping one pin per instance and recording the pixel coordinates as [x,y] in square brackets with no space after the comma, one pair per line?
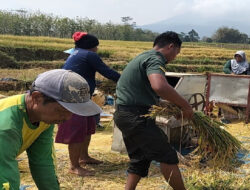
[140,86]
[26,123]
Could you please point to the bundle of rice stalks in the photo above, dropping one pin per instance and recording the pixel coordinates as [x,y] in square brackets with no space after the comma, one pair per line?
[227,108]
[215,144]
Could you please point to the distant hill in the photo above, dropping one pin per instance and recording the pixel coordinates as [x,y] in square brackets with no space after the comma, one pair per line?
[204,26]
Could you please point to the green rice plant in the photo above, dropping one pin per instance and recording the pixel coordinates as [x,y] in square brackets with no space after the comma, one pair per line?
[201,61]
[215,143]
[7,61]
[105,53]
[29,54]
[117,67]
[57,64]
[193,68]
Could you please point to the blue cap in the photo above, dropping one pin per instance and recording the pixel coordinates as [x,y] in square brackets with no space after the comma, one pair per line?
[69,51]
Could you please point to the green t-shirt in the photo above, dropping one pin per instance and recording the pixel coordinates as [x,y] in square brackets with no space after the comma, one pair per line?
[17,134]
[227,67]
[133,87]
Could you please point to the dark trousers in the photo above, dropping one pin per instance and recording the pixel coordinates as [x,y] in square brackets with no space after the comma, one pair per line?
[143,139]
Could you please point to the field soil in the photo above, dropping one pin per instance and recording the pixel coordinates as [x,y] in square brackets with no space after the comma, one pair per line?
[111,175]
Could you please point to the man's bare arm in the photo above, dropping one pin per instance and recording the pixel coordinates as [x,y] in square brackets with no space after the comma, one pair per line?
[160,85]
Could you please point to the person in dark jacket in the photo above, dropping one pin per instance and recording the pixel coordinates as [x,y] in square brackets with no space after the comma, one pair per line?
[77,131]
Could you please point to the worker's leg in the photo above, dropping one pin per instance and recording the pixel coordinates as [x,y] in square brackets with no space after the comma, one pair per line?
[172,175]
[132,181]
[84,156]
[74,155]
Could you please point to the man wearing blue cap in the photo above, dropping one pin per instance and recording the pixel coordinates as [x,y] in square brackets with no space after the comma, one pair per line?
[26,123]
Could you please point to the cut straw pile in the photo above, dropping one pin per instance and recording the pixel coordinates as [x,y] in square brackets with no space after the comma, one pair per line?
[215,143]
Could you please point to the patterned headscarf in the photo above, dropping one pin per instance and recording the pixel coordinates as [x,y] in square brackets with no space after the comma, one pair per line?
[239,67]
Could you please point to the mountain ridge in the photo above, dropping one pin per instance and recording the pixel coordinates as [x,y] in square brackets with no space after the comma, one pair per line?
[204,26]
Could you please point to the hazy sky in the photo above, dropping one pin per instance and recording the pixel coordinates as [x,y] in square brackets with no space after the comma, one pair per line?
[142,11]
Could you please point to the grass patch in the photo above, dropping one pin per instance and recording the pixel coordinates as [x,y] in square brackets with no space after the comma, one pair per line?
[194,68]
[30,54]
[105,53]
[21,74]
[7,61]
[57,64]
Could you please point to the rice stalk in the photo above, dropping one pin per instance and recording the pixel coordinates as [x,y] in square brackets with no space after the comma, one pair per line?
[227,108]
[215,144]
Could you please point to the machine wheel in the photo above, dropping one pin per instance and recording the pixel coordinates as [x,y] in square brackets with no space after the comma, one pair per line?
[197,101]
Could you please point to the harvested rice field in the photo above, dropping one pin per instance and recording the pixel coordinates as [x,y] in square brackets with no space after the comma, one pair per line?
[111,175]
[23,58]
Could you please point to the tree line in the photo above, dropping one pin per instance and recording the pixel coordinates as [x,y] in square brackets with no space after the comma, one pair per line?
[221,35]
[22,22]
